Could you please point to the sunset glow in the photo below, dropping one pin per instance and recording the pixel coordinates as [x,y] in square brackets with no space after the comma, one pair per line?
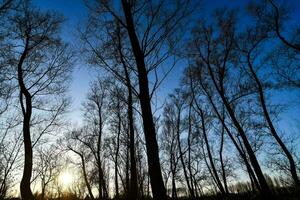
[66,179]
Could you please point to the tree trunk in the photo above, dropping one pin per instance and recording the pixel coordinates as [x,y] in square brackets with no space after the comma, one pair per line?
[86,178]
[189,152]
[174,192]
[133,171]
[173,169]
[26,193]
[127,186]
[239,149]
[273,131]
[158,188]
[212,165]
[222,161]
[192,195]
[117,154]
[133,193]
[43,191]
[266,192]
[98,154]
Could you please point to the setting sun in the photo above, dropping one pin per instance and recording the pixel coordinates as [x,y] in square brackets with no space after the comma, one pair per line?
[66,179]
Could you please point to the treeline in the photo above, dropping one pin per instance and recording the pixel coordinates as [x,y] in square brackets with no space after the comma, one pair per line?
[217,135]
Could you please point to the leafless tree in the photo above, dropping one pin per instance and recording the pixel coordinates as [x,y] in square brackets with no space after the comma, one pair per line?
[149,49]
[216,55]
[272,17]
[79,151]
[169,148]
[42,66]
[47,168]
[253,40]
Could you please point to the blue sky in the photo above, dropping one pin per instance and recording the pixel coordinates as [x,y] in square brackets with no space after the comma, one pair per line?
[76,13]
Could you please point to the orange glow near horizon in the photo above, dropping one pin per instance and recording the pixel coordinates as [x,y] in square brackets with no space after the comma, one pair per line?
[66,179]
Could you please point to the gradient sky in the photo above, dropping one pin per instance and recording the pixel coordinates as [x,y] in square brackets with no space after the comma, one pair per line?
[76,13]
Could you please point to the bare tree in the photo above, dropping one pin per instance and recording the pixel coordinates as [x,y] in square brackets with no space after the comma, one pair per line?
[169,148]
[148,45]
[254,38]
[76,146]
[47,167]
[178,101]
[7,8]
[9,155]
[272,18]
[199,86]
[95,108]
[215,54]
[42,68]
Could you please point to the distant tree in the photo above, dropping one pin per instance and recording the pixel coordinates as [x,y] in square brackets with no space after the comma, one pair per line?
[95,113]
[178,101]
[7,8]
[116,122]
[75,145]
[205,121]
[47,168]
[9,155]
[169,147]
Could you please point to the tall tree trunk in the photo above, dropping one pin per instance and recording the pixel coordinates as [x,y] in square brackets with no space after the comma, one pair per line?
[222,161]
[173,169]
[158,188]
[192,195]
[87,183]
[189,151]
[98,153]
[127,181]
[133,193]
[101,183]
[133,170]
[117,154]
[26,193]
[273,131]
[266,192]
[212,165]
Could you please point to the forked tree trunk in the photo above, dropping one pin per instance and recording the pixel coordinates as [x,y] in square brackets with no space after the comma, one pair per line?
[192,195]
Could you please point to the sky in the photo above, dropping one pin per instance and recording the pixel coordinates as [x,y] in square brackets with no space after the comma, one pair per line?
[75,13]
